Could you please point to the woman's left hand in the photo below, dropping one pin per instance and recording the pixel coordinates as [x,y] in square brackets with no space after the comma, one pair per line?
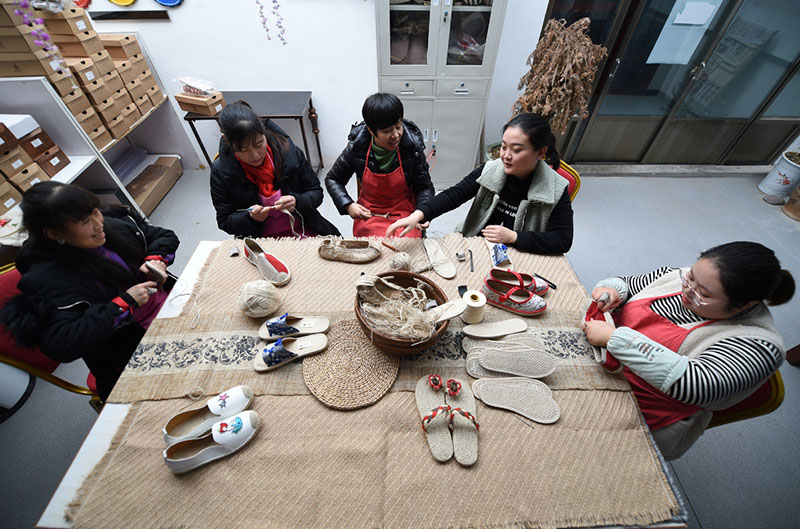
[499,234]
[286,203]
[598,332]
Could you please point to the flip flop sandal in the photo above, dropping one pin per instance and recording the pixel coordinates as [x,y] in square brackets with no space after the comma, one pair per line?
[531,363]
[519,279]
[286,326]
[463,422]
[495,329]
[528,401]
[433,412]
[513,299]
[192,423]
[520,382]
[438,260]
[446,311]
[285,350]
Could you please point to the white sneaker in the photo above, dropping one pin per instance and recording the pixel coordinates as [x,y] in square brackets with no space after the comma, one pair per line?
[272,268]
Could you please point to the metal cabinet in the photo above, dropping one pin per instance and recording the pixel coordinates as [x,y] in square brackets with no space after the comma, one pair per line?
[438,57]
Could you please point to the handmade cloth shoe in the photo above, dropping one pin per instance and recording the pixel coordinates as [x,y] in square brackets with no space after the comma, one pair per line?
[462,421]
[601,354]
[376,290]
[519,279]
[195,422]
[288,325]
[348,251]
[273,270]
[225,438]
[513,299]
[433,412]
[285,350]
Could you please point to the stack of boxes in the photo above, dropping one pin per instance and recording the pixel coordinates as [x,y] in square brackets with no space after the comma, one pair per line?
[27,156]
[103,79]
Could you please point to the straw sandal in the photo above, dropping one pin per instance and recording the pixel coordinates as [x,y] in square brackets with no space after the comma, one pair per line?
[495,329]
[286,350]
[348,250]
[463,422]
[434,414]
[226,437]
[195,422]
[376,290]
[519,279]
[525,396]
[286,326]
[513,299]
[438,260]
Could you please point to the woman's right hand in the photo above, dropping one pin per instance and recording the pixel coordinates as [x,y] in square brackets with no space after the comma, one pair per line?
[259,213]
[613,298]
[407,223]
[141,293]
[357,211]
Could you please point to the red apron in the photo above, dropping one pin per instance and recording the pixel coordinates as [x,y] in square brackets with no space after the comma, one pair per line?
[384,193]
[658,408]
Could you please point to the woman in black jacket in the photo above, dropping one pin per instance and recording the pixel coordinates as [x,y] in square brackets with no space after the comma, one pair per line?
[261,184]
[387,155]
[90,283]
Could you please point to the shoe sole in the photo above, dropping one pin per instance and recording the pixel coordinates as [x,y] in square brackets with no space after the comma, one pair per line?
[520,312]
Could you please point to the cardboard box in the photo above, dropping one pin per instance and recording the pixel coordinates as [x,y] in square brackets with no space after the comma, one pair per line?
[17,39]
[131,115]
[76,101]
[88,120]
[29,63]
[19,125]
[118,127]
[36,143]
[147,79]
[96,91]
[68,26]
[9,197]
[63,81]
[120,46]
[7,139]
[107,109]
[204,105]
[13,160]
[102,61]
[108,197]
[113,81]
[83,69]
[52,161]
[7,20]
[67,13]
[136,88]
[154,182]
[82,44]
[123,97]
[28,177]
[100,137]
[156,95]
[144,104]
[125,70]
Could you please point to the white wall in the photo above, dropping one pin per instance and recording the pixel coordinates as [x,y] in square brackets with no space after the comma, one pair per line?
[331,52]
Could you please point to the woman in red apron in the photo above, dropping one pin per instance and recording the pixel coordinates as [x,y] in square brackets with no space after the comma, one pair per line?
[387,154]
[694,340]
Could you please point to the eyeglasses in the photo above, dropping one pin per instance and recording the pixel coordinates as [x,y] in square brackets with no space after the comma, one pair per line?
[693,295]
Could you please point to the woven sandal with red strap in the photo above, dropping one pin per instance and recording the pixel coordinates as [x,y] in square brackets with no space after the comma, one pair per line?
[434,413]
[463,422]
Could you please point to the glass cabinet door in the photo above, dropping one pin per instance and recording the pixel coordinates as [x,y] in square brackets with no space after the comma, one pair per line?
[408,38]
[468,31]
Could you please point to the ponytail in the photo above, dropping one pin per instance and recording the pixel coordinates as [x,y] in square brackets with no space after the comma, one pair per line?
[538,131]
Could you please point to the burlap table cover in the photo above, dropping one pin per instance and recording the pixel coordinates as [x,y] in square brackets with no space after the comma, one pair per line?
[311,466]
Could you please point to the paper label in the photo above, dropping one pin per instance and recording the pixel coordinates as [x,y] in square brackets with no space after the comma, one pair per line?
[55,65]
[35,143]
[81,25]
[54,161]
[218,108]
[17,164]
[89,76]
[10,202]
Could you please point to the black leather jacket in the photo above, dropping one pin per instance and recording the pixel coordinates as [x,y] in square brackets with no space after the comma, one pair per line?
[353,160]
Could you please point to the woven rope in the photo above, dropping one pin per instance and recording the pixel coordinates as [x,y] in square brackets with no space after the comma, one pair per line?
[351,373]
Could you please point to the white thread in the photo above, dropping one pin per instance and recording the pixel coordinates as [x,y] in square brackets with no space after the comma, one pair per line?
[258,298]
[476,303]
[400,261]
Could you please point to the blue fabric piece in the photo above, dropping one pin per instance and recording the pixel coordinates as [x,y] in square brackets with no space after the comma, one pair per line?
[276,354]
[656,364]
[279,327]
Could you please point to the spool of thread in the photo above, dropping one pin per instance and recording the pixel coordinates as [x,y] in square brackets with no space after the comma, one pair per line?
[476,303]
[258,298]
[400,261]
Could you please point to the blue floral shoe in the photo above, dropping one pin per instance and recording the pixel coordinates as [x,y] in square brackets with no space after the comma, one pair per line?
[286,350]
[288,325]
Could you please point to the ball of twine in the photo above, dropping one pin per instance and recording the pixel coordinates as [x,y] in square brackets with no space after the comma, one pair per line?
[400,261]
[258,298]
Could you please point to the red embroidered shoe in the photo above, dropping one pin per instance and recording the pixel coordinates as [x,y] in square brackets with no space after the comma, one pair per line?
[513,299]
[272,268]
[519,279]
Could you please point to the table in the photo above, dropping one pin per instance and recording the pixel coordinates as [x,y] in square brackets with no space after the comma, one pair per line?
[273,105]
[556,269]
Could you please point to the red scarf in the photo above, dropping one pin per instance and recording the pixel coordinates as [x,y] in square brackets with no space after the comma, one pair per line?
[262,176]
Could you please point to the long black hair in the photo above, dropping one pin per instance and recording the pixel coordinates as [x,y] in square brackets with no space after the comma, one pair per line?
[53,205]
[537,129]
[749,271]
[241,126]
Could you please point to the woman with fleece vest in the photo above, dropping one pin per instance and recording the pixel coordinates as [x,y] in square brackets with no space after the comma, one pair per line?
[520,200]
[696,339]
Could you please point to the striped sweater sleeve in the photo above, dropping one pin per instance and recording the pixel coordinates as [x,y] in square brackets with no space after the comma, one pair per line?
[728,367]
[635,284]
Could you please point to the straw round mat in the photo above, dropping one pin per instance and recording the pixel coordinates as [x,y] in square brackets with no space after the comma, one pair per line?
[352,372]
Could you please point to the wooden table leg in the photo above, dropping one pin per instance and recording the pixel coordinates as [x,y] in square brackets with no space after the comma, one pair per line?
[312,117]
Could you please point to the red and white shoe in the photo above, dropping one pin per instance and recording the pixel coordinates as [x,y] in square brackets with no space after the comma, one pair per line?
[519,279]
[272,268]
[513,299]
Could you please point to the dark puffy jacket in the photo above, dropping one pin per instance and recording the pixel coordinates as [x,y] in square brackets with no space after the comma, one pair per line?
[353,160]
[232,191]
[69,315]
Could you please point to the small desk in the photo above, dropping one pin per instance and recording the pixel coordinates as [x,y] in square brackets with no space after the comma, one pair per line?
[273,105]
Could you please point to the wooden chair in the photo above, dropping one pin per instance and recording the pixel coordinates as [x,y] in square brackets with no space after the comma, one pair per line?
[31,359]
[766,399]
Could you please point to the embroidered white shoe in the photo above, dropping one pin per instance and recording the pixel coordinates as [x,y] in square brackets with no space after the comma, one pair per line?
[272,268]
[195,422]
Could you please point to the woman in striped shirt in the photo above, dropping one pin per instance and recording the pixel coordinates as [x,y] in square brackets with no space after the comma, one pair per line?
[693,340]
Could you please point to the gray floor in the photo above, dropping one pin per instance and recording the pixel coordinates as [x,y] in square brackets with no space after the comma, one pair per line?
[737,476]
